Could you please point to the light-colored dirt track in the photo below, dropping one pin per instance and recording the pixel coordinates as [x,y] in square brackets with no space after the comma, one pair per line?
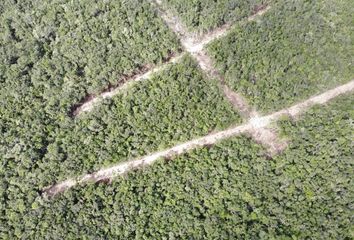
[251,127]
[268,137]
[90,104]
[195,47]
[257,126]
[198,43]
[237,101]
[190,43]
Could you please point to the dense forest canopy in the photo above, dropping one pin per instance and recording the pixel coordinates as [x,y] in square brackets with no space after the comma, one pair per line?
[203,15]
[175,105]
[227,191]
[297,49]
[54,54]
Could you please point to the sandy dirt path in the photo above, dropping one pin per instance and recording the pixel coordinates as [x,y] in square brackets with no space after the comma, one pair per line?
[236,100]
[191,44]
[195,46]
[91,103]
[253,125]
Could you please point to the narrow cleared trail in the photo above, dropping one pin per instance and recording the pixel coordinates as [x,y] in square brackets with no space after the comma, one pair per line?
[196,43]
[251,127]
[195,46]
[236,100]
[88,105]
[258,127]
[191,44]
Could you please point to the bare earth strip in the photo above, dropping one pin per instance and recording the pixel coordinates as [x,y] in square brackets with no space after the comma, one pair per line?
[237,101]
[191,44]
[269,139]
[196,46]
[89,105]
[198,43]
[254,124]
[266,137]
